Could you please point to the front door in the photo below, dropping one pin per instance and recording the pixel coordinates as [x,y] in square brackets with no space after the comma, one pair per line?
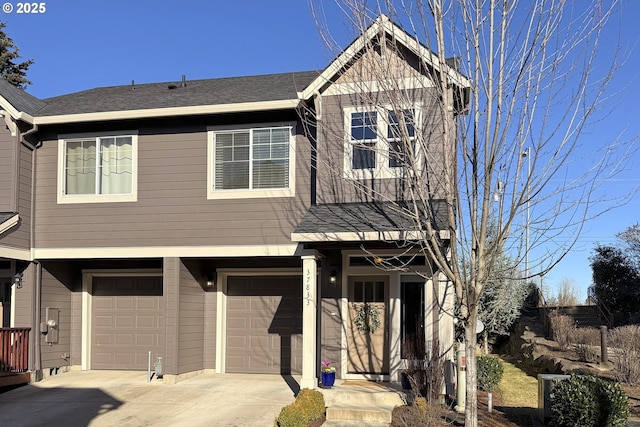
[367,331]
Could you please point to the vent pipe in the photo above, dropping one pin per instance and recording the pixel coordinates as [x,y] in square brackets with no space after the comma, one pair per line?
[184,80]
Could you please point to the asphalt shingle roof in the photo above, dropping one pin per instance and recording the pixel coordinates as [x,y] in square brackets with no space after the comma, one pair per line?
[21,100]
[6,215]
[361,218]
[230,90]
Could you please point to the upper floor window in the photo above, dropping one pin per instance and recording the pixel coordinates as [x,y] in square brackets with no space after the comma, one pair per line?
[378,140]
[251,162]
[97,168]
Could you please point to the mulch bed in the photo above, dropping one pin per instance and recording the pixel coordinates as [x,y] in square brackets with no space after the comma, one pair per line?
[499,417]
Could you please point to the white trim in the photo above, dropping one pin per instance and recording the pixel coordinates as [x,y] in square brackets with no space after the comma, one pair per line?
[393,308]
[166,251]
[382,142]
[12,253]
[250,193]
[380,25]
[406,83]
[87,301]
[221,311]
[63,198]
[165,112]
[4,226]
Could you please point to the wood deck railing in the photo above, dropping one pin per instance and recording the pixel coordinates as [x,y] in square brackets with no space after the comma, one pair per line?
[14,350]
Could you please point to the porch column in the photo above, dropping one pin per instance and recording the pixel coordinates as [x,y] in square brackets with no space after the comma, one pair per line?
[309,321]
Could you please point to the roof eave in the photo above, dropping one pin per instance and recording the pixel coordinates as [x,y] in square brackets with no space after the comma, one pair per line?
[9,223]
[284,104]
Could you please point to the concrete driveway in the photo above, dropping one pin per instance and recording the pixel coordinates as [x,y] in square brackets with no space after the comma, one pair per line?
[119,398]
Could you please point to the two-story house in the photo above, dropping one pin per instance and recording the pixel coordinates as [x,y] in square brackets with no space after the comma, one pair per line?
[210,223]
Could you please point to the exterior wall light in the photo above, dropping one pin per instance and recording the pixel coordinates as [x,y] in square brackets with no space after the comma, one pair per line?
[333,277]
[17,280]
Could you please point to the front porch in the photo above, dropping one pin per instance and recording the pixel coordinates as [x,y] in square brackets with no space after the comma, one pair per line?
[14,356]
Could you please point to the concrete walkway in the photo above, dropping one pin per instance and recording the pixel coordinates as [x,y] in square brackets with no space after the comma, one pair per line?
[118,398]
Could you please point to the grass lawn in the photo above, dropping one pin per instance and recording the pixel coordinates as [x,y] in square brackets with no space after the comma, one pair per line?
[517,388]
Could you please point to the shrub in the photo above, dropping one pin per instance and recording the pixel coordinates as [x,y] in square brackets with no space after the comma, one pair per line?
[588,344]
[425,367]
[312,403]
[292,416]
[626,361]
[309,406]
[563,328]
[421,413]
[490,371]
[588,401]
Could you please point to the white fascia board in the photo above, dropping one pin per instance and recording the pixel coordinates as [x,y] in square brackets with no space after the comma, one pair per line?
[13,253]
[389,27]
[168,112]
[169,251]
[4,226]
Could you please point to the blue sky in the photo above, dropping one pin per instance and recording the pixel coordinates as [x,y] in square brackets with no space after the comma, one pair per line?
[79,45]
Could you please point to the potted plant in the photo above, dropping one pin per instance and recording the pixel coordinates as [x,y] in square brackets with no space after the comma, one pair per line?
[328,374]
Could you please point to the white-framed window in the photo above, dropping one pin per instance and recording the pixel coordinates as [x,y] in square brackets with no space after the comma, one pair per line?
[377,140]
[97,168]
[251,161]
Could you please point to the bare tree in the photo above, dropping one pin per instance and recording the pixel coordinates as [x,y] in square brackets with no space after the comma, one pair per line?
[482,110]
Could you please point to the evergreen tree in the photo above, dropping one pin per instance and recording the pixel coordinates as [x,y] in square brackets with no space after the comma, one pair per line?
[10,70]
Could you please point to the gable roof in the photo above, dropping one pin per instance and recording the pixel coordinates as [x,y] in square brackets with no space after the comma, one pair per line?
[210,96]
[381,24]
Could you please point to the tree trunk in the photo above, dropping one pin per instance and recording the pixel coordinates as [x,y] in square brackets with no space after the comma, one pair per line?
[471,410]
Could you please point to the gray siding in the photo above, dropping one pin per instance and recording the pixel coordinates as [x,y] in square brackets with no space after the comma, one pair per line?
[191,326]
[333,186]
[331,325]
[55,295]
[7,170]
[15,189]
[172,207]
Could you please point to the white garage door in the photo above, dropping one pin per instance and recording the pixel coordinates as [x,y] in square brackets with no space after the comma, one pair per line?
[264,325]
[127,322]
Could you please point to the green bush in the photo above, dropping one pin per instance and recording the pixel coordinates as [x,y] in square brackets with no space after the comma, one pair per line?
[309,406]
[490,371]
[311,402]
[588,401]
[292,416]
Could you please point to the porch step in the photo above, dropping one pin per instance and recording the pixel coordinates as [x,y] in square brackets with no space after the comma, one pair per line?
[368,414]
[362,402]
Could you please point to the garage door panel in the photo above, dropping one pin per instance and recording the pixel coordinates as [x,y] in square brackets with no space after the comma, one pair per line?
[263,315]
[124,303]
[127,322]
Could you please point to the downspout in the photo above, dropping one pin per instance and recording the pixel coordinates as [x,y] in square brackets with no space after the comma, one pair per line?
[37,293]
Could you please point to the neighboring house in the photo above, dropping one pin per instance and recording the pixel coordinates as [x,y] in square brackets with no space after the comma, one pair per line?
[205,223]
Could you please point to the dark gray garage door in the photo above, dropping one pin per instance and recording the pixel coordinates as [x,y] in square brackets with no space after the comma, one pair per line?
[127,322]
[264,325]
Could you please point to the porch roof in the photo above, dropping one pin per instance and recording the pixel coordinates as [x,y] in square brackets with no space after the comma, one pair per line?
[8,220]
[362,222]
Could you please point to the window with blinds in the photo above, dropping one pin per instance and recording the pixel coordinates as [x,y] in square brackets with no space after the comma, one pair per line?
[252,159]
